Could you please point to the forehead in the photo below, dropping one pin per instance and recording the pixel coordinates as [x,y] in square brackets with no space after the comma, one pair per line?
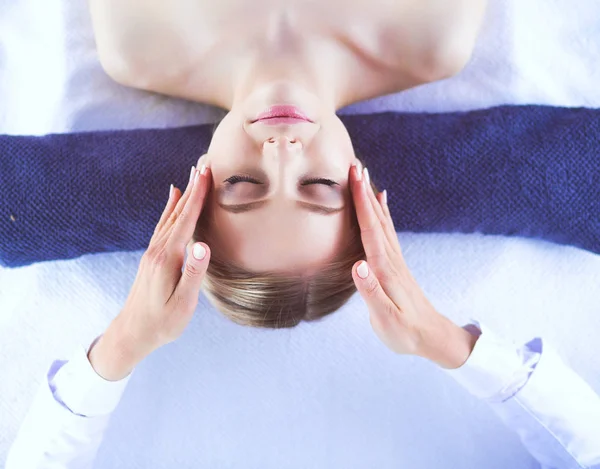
[271,239]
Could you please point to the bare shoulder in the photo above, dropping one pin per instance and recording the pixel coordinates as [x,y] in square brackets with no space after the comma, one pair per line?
[433,39]
[144,43]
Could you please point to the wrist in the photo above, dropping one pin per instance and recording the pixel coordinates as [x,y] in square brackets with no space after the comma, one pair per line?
[447,344]
[115,354]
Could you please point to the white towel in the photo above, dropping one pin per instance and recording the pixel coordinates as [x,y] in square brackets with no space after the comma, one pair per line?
[538,51]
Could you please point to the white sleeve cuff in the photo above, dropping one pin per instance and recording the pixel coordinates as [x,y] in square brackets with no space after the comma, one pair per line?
[496,369]
[77,386]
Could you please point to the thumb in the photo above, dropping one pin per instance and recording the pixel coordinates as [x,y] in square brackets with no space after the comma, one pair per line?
[194,272]
[370,289]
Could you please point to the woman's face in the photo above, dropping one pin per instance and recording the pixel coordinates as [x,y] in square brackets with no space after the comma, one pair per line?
[280,200]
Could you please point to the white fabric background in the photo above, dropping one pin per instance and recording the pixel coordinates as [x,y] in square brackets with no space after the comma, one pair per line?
[321,395]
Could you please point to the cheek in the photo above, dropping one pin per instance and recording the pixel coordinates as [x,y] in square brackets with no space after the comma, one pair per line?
[222,161]
[230,148]
[226,135]
[336,146]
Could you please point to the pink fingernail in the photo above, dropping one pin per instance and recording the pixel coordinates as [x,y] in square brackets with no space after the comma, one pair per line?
[192,173]
[358,171]
[203,169]
[171,191]
[199,251]
[366,173]
[384,196]
[363,270]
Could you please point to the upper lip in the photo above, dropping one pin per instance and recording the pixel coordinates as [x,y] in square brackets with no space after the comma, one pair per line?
[290,113]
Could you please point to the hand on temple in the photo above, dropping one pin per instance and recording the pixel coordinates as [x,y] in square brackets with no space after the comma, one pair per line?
[162,300]
[399,312]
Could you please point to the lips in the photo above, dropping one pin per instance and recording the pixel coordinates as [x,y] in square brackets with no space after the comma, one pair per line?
[282,115]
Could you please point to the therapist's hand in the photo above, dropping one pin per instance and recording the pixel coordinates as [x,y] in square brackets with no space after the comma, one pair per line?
[399,312]
[163,299]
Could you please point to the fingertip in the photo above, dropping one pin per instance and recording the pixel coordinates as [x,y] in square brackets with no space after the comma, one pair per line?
[361,269]
[356,172]
[207,175]
[359,170]
[174,196]
[351,175]
[201,251]
[357,184]
[366,283]
[201,160]
[193,274]
[382,197]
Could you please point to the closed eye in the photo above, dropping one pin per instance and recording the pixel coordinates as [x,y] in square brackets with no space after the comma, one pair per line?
[327,182]
[306,182]
[241,178]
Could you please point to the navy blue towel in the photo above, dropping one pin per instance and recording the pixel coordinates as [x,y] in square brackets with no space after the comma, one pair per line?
[531,171]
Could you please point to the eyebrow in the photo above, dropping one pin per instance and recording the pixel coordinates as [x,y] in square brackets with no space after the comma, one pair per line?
[315,208]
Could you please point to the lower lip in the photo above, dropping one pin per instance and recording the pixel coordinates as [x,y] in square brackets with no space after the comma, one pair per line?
[282,120]
[282,115]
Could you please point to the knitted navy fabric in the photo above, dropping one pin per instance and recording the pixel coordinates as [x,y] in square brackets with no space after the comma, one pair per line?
[531,171]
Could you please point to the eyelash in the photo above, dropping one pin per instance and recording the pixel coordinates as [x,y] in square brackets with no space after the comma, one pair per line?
[327,182]
[241,178]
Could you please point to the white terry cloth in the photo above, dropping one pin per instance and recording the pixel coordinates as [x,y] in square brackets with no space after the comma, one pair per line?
[336,397]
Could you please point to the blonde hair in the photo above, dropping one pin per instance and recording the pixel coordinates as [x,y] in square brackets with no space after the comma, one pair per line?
[276,300]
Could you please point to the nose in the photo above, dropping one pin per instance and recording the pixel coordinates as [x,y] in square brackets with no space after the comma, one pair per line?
[283,143]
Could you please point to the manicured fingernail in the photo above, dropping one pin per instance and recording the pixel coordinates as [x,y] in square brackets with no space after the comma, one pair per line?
[196,176]
[384,196]
[366,173]
[363,270]
[199,251]
[203,169]
[192,173]
[358,171]
[171,191]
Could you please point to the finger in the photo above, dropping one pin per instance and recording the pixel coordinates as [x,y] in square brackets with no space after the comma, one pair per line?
[371,290]
[167,227]
[201,161]
[389,232]
[382,199]
[186,194]
[388,226]
[188,288]
[187,220]
[371,231]
[174,196]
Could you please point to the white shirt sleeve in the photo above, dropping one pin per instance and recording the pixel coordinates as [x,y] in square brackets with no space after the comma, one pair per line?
[69,415]
[554,411]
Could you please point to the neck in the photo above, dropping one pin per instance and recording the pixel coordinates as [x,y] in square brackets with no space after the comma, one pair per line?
[284,67]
